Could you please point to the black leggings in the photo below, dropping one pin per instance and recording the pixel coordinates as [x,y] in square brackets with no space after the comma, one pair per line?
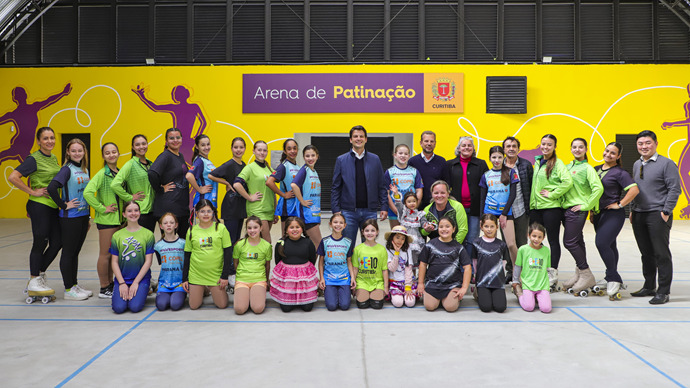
[234,226]
[45,227]
[73,235]
[148,221]
[608,224]
[551,220]
[491,299]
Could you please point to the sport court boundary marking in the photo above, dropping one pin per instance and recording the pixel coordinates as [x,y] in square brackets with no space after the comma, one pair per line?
[626,348]
[94,358]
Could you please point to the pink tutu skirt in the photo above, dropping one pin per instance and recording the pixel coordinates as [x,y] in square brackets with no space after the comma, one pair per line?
[294,284]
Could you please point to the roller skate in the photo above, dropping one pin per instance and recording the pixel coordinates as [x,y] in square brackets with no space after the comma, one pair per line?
[153,288]
[553,280]
[36,289]
[600,287]
[568,284]
[42,275]
[231,284]
[517,290]
[613,290]
[585,281]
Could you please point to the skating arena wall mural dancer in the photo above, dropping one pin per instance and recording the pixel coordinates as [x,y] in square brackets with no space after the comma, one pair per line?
[114,103]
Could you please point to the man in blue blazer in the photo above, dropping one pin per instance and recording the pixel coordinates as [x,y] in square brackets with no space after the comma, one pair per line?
[358,190]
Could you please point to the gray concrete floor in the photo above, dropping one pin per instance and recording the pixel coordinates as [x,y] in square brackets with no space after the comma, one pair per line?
[583,342]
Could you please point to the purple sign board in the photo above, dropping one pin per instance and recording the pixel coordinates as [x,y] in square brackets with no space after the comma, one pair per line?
[333,93]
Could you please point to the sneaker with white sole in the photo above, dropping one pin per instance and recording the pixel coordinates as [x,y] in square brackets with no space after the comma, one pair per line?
[88,293]
[106,293]
[74,294]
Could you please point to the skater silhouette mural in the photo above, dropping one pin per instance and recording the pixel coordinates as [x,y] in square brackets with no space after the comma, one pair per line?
[24,119]
[684,160]
[184,115]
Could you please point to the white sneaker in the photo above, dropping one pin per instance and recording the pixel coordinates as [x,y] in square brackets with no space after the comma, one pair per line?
[36,285]
[74,294]
[88,293]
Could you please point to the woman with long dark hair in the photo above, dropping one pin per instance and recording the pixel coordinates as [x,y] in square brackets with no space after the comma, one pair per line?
[132,182]
[167,177]
[233,210]
[40,167]
[550,182]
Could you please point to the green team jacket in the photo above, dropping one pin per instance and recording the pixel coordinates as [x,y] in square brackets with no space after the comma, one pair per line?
[557,185]
[457,212]
[586,189]
[133,177]
[98,194]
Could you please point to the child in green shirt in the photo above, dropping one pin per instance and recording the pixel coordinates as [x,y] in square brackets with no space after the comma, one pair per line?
[533,281]
[370,261]
[252,257]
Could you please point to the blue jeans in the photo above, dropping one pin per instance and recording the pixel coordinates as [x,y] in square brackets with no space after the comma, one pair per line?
[134,305]
[354,219]
[472,232]
[337,296]
[172,300]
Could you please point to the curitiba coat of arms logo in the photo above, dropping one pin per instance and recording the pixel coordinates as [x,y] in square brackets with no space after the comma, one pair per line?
[443,89]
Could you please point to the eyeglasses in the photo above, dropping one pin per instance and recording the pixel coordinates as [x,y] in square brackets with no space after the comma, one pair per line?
[205,211]
[641,170]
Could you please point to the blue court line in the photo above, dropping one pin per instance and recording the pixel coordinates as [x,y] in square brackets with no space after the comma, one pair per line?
[627,349]
[73,375]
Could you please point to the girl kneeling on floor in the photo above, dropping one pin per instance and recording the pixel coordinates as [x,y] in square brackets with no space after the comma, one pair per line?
[402,284]
[369,260]
[533,279]
[131,250]
[335,266]
[170,255]
[489,254]
[207,258]
[294,281]
[445,270]
[252,257]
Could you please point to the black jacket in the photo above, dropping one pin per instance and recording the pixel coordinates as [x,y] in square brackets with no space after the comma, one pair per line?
[475,169]
[526,173]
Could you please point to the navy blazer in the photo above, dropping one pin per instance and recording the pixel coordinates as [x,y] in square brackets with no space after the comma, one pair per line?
[343,192]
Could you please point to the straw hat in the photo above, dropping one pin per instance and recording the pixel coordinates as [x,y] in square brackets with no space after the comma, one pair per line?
[399,229]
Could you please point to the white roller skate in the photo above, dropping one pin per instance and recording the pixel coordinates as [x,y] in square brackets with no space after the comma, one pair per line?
[613,290]
[37,289]
[568,284]
[585,281]
[553,279]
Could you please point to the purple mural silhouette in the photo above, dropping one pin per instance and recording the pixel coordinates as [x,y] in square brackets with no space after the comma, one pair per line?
[530,154]
[25,121]
[184,115]
[683,162]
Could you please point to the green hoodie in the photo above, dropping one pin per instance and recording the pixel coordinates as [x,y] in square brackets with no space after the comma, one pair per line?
[558,184]
[457,212]
[98,194]
[586,189]
[132,178]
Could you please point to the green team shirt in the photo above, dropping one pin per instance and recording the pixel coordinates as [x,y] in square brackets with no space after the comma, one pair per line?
[252,260]
[371,262]
[131,249]
[98,194]
[206,246]
[586,189]
[132,178]
[255,176]
[534,263]
[46,169]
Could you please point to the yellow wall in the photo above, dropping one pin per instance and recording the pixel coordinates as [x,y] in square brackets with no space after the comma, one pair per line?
[587,101]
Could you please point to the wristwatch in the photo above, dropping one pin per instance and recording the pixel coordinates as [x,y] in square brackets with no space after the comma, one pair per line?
[666,212]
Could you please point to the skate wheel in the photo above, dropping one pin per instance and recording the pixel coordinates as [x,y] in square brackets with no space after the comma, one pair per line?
[596,289]
[26,291]
[29,300]
[232,290]
[601,293]
[618,296]
[570,291]
[45,299]
[583,294]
